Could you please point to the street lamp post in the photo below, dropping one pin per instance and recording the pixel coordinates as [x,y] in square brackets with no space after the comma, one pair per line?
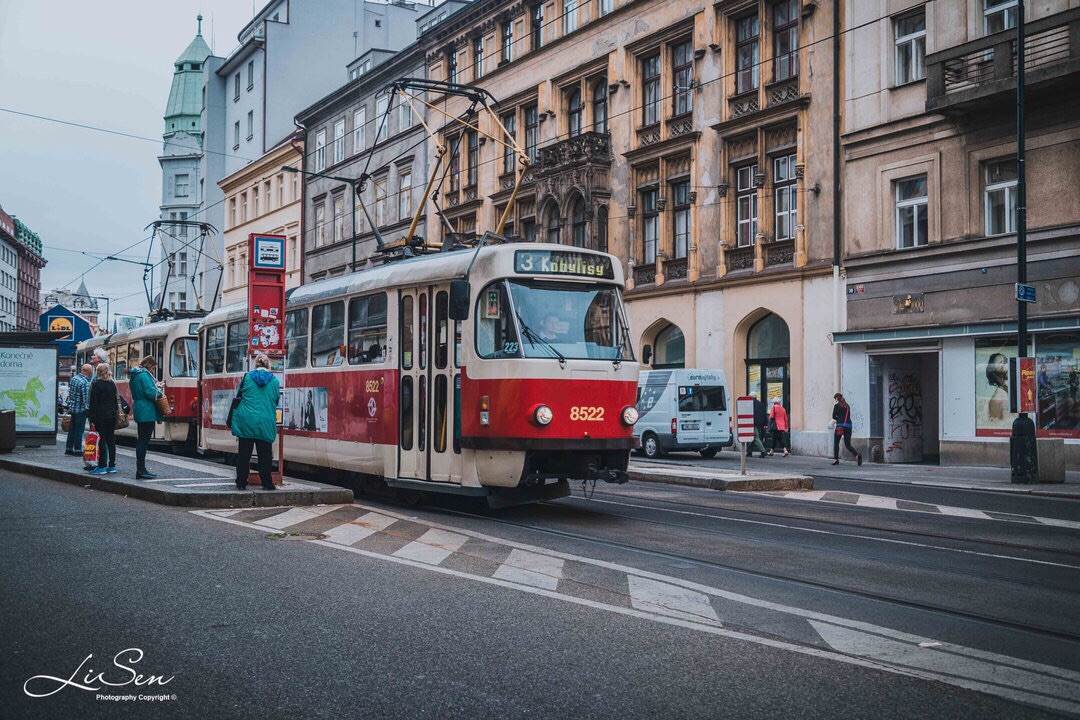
[354,184]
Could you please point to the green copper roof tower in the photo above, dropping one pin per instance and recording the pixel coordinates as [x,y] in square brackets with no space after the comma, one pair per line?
[182,112]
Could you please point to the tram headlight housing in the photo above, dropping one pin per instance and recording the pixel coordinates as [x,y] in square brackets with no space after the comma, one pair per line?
[542,415]
[629,415]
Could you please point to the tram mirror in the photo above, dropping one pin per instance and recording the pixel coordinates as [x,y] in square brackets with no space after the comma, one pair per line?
[459,300]
[646,354]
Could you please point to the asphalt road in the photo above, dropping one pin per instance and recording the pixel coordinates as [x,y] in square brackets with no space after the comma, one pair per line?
[243,621]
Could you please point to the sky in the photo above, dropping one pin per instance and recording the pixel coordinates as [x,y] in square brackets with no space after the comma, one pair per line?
[107,65]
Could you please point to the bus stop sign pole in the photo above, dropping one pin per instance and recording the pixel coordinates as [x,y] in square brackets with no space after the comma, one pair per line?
[744,427]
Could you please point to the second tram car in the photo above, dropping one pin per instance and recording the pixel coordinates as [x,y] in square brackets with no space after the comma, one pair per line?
[175,345]
[385,376]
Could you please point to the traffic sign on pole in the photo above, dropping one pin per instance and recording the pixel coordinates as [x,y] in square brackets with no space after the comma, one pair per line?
[744,419]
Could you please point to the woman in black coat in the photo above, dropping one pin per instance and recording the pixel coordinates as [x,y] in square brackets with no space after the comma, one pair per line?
[841,413]
[102,413]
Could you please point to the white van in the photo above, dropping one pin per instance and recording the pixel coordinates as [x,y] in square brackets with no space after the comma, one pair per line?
[682,410]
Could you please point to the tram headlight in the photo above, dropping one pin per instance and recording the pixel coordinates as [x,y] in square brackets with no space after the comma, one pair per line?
[542,414]
[629,415]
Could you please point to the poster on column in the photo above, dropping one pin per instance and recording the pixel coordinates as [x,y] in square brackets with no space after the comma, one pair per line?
[1057,382]
[992,416]
[28,386]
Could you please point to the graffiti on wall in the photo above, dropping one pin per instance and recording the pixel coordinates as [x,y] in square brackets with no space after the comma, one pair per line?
[904,436]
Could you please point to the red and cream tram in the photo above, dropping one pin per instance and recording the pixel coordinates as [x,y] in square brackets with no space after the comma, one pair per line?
[175,344]
[507,386]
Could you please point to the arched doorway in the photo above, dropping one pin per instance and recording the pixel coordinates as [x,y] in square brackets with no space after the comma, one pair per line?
[768,356]
[669,348]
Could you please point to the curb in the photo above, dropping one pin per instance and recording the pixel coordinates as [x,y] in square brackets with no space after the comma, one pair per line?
[306,495]
[1018,488]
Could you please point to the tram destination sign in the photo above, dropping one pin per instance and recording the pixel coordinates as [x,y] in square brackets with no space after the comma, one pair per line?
[562,262]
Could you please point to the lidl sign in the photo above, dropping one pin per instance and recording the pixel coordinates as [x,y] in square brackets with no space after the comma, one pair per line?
[61,324]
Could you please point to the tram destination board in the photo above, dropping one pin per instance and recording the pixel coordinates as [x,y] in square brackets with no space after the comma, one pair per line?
[562,262]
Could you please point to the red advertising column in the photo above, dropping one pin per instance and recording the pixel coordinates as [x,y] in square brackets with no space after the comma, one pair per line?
[266,313]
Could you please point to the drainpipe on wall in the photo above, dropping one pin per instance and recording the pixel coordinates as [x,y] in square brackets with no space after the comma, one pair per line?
[301,136]
[838,296]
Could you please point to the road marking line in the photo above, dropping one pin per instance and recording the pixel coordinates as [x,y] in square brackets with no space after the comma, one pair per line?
[876,502]
[295,516]
[432,547]
[963,512]
[668,599]
[528,568]
[360,528]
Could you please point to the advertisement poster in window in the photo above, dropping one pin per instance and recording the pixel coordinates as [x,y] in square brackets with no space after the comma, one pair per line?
[992,416]
[1057,380]
[305,409]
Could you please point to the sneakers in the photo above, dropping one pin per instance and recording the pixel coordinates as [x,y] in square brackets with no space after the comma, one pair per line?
[111,469]
[145,475]
[98,471]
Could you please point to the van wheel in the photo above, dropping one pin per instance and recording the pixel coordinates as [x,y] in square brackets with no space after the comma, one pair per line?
[651,446]
[708,452]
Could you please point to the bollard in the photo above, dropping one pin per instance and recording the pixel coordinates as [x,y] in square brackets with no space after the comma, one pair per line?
[1023,454]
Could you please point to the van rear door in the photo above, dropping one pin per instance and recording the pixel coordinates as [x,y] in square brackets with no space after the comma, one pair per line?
[715,429]
[691,418]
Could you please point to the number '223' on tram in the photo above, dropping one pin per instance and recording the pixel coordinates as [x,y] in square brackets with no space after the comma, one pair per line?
[508,386]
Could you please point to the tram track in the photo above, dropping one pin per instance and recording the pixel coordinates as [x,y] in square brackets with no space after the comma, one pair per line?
[819,585]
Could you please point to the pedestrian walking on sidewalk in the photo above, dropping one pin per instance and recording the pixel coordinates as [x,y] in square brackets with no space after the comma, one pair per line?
[78,402]
[144,393]
[778,418]
[841,415]
[102,413]
[254,422]
[761,420]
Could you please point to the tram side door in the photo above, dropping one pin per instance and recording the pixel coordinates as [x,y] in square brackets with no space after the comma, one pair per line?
[426,391]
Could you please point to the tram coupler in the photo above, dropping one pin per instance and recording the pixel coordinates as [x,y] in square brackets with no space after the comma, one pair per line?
[607,475]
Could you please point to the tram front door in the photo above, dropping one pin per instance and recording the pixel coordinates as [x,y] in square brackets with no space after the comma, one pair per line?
[428,361]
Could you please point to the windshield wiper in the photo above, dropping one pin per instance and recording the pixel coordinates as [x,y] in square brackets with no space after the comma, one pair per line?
[535,339]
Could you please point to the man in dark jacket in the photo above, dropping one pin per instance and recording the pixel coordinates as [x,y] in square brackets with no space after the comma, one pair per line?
[761,420]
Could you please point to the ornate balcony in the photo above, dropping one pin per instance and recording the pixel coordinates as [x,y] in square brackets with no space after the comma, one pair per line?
[588,147]
[644,274]
[982,72]
[779,252]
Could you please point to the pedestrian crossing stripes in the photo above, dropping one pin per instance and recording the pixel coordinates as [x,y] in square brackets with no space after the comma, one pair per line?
[886,503]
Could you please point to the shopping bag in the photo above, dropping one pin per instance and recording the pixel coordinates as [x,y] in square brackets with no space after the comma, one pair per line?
[90,448]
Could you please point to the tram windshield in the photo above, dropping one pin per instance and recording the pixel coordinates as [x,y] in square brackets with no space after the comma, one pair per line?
[568,320]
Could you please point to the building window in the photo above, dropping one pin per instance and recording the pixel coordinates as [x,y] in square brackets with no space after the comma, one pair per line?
[911,212]
[452,66]
[746,217]
[320,150]
[682,56]
[650,90]
[509,122]
[182,230]
[266,192]
[599,106]
[232,212]
[570,16]
[507,44]
[404,194]
[183,185]
[650,225]
[243,207]
[380,202]
[785,197]
[250,124]
[785,39]
[320,225]
[602,228]
[251,74]
[455,164]
[339,141]
[381,104]
[746,53]
[577,223]
[1000,197]
[339,218]
[680,195]
[236,87]
[405,115]
[553,233]
[478,57]
[999,15]
[474,157]
[255,201]
[537,25]
[359,122]
[573,112]
[532,132]
[605,6]
[183,260]
[236,135]
[910,33]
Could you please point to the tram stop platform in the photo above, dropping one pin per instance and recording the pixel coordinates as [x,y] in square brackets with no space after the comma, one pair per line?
[713,477]
[180,481]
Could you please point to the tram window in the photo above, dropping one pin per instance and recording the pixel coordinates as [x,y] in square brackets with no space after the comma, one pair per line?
[133,355]
[328,334]
[160,357]
[236,347]
[367,329]
[421,415]
[457,413]
[406,412]
[440,413]
[183,359]
[120,362]
[423,331]
[148,348]
[457,343]
[406,332]
[441,339]
[215,350]
[496,336]
[296,339]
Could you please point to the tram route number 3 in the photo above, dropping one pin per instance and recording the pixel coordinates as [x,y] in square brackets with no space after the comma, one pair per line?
[586,413]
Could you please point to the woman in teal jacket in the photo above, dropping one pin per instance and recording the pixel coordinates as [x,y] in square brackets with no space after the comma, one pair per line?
[144,392]
[254,422]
